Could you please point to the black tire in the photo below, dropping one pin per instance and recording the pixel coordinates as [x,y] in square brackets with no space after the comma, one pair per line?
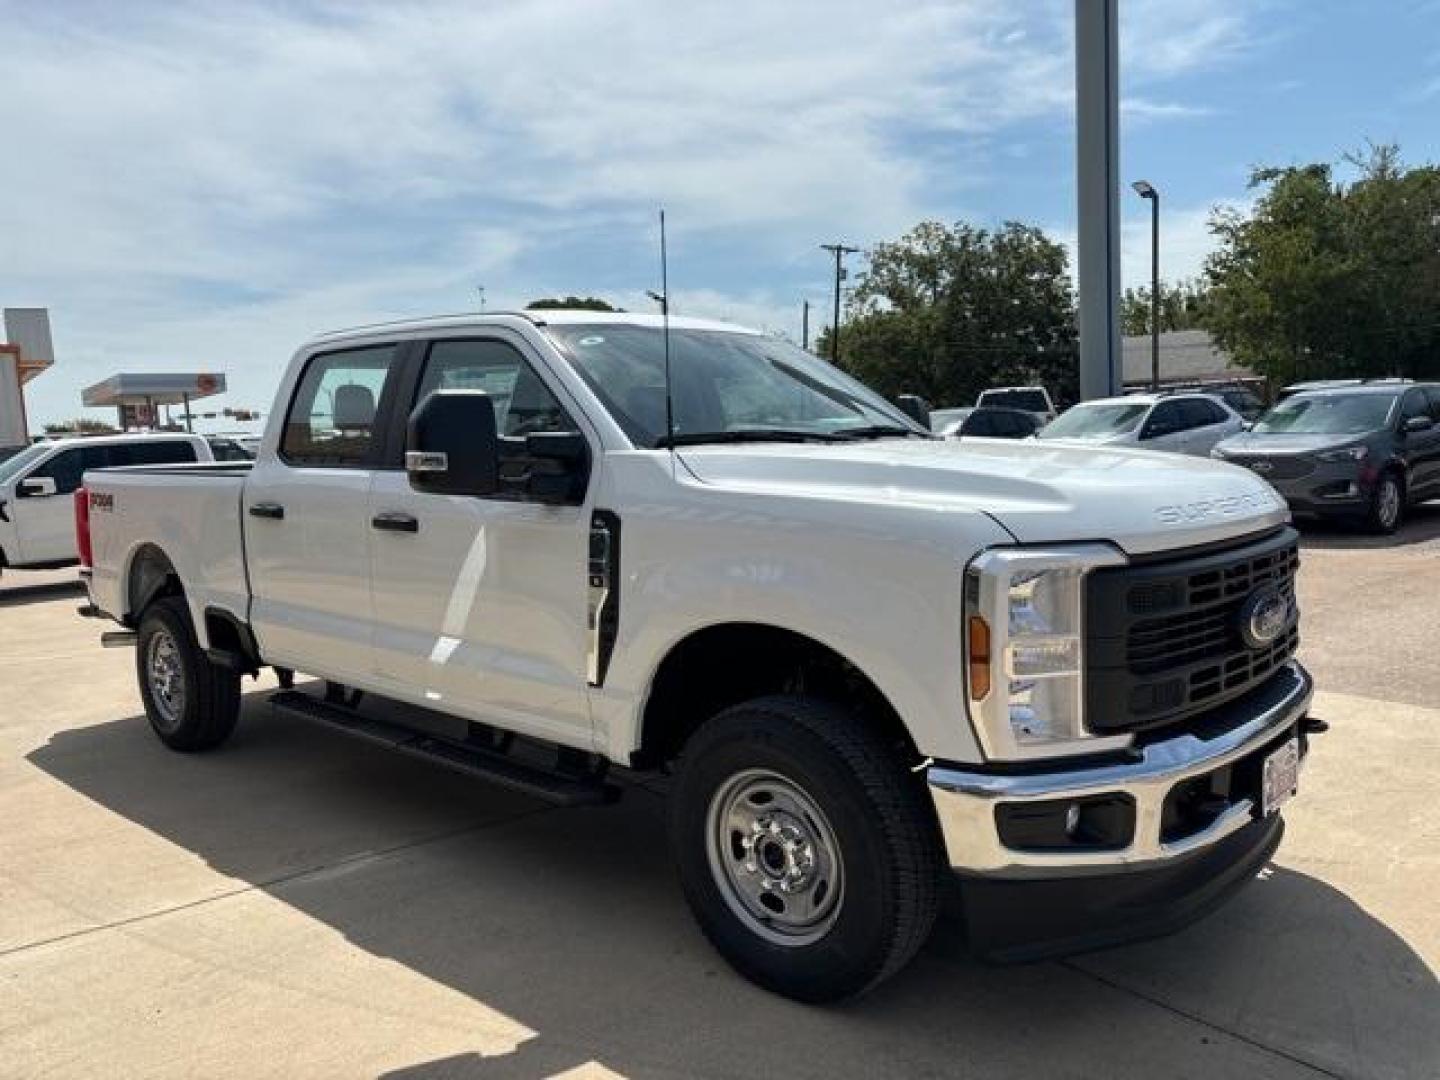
[871,807]
[203,712]
[1387,509]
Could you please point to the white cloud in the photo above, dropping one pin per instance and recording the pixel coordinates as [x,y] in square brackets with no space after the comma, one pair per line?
[199,186]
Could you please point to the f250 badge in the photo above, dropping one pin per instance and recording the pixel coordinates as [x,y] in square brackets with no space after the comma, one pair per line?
[102,500]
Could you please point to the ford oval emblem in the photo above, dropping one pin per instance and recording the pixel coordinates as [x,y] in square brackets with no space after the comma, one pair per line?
[1263,617]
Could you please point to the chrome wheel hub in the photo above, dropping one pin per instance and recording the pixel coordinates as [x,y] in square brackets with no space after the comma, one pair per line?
[164,673]
[1389,502]
[774,857]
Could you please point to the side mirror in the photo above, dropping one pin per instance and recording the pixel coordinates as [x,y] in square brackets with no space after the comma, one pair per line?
[1418,423]
[451,447]
[915,407]
[36,487]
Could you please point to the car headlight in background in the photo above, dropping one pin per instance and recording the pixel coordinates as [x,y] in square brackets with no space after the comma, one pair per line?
[1025,654]
[1350,453]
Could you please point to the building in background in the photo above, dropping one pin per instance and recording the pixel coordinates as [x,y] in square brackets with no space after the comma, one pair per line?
[25,351]
[1187,358]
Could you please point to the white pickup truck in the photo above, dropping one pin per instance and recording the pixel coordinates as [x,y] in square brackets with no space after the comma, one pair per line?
[1054,683]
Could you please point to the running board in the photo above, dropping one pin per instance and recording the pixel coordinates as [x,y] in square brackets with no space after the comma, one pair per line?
[552,787]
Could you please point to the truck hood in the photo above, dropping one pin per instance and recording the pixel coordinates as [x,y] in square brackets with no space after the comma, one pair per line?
[1142,500]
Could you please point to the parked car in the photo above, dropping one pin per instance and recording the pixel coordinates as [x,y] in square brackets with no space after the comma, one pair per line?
[1333,384]
[228,448]
[1246,403]
[1031,399]
[495,517]
[985,423]
[1360,451]
[37,519]
[1185,423]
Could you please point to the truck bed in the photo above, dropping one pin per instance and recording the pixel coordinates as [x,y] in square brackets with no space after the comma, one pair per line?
[189,513]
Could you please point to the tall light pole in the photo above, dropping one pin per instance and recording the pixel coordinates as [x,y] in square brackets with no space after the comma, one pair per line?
[481,290]
[1146,190]
[805,325]
[839,251]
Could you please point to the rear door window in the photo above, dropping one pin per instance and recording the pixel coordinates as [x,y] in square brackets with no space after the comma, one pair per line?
[1165,419]
[159,452]
[332,417]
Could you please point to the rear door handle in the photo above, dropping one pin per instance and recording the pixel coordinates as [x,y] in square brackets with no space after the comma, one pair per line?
[273,511]
[392,522]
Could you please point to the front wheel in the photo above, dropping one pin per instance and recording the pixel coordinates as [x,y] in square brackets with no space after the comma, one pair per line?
[806,849]
[192,704]
[1387,504]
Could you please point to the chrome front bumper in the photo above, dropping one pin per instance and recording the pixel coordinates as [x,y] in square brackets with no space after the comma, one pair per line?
[966,801]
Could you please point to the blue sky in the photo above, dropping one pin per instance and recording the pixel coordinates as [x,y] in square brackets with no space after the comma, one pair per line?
[201,187]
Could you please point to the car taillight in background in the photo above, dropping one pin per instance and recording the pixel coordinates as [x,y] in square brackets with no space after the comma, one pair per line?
[82,527]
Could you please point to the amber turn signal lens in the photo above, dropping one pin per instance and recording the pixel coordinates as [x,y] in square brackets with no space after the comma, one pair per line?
[978,640]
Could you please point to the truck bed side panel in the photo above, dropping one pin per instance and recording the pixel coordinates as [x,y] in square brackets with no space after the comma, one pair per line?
[192,515]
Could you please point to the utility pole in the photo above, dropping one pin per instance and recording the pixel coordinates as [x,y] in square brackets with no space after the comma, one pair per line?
[839,251]
[481,290]
[805,326]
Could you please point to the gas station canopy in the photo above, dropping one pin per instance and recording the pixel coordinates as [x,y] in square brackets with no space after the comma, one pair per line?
[152,390]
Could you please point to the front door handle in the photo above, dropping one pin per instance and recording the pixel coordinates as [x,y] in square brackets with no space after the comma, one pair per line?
[273,511]
[393,522]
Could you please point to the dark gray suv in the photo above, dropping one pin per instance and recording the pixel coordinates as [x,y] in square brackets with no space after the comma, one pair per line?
[1364,451]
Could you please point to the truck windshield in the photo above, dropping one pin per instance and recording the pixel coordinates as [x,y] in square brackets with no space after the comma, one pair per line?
[1094,420]
[12,467]
[725,386]
[1328,414]
[1025,400]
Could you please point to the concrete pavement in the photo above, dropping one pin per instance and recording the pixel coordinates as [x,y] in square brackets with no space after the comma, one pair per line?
[298,904]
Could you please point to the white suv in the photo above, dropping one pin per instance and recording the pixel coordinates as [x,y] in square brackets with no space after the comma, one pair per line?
[37,518]
[1180,423]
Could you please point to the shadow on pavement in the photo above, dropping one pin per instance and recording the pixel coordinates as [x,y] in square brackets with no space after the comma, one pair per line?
[571,923]
[1421,525]
[15,595]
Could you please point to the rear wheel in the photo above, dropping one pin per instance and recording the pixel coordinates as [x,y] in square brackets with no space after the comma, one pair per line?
[1387,503]
[192,704]
[805,847]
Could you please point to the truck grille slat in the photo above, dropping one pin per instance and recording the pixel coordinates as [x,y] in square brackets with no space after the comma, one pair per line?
[1164,638]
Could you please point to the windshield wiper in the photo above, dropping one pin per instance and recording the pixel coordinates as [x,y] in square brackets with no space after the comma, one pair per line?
[880,431]
[743,435]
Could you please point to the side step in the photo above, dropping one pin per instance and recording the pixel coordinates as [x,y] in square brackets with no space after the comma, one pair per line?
[552,787]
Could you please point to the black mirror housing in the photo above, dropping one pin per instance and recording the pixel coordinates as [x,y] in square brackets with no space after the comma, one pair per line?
[558,466]
[451,446]
[915,407]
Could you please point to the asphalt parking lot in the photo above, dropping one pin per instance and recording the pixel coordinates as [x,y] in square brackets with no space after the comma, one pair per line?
[301,905]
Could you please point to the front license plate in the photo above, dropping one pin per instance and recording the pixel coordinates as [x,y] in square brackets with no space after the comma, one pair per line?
[1279,777]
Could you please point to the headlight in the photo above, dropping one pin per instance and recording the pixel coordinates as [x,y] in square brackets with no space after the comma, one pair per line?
[1350,453]
[1026,652]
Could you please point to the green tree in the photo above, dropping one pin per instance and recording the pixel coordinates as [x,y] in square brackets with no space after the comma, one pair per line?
[1182,307]
[946,311]
[1323,279]
[576,303]
[83,425]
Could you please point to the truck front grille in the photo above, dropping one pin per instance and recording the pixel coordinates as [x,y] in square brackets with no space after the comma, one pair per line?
[1164,639]
[1277,466]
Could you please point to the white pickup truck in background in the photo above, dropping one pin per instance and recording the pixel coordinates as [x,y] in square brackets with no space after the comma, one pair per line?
[37,515]
[879,665]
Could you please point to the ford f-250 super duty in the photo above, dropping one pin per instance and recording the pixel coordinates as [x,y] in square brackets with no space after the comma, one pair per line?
[876,664]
